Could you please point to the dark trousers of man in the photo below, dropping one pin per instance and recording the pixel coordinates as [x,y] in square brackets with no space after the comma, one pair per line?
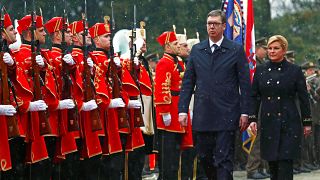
[281,170]
[317,143]
[18,155]
[241,156]
[52,170]
[216,153]
[136,163]
[190,163]
[112,166]
[169,155]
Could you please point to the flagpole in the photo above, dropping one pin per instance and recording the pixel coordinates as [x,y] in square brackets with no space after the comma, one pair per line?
[222,4]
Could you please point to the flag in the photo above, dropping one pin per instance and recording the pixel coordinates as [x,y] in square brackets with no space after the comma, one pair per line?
[234,24]
[240,28]
[248,139]
[249,44]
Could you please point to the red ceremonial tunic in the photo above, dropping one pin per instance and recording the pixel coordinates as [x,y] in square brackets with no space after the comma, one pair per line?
[67,143]
[36,147]
[90,140]
[168,81]
[135,137]
[5,160]
[109,117]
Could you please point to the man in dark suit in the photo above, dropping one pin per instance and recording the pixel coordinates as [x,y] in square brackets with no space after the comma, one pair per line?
[218,68]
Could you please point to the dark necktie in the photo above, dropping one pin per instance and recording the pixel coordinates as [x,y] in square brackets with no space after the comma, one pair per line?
[215,46]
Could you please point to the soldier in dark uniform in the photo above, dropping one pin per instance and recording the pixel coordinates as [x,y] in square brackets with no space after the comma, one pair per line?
[290,56]
[313,83]
[255,165]
[280,119]
[315,87]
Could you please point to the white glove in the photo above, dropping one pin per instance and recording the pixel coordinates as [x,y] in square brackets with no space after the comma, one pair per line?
[68,59]
[66,104]
[8,59]
[90,62]
[135,104]
[39,105]
[7,110]
[39,60]
[117,102]
[117,61]
[136,61]
[90,105]
[166,119]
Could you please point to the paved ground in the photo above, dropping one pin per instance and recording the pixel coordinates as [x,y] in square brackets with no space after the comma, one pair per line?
[314,175]
[242,175]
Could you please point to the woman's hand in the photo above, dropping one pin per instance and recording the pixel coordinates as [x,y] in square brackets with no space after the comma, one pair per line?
[253,127]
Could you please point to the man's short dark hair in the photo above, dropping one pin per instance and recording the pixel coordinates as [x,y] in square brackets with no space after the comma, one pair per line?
[215,13]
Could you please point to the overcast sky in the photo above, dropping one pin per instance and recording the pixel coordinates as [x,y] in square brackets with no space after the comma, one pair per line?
[277,7]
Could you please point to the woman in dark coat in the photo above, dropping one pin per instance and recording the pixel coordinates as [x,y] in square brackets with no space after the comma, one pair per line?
[277,86]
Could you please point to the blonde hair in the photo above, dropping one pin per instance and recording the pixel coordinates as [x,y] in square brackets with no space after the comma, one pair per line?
[278,38]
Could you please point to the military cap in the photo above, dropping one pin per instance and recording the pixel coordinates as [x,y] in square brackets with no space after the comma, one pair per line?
[262,42]
[26,22]
[290,55]
[99,29]
[76,27]
[153,57]
[54,24]
[308,64]
[166,37]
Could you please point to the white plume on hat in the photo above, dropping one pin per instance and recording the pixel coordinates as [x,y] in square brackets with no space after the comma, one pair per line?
[182,38]
[192,42]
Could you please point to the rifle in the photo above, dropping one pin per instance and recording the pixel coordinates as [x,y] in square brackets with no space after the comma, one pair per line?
[89,89]
[113,73]
[37,81]
[137,119]
[13,129]
[73,114]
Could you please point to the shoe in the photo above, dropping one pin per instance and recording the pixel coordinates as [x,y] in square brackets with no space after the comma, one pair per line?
[304,169]
[266,174]
[316,165]
[255,175]
[310,166]
[296,171]
[146,171]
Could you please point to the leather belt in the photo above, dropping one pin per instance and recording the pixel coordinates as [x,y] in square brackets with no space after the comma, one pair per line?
[175,93]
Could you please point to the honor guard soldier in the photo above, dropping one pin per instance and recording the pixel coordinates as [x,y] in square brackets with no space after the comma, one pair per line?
[40,82]
[84,94]
[136,82]
[169,73]
[7,110]
[128,75]
[184,48]
[112,141]
[61,63]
